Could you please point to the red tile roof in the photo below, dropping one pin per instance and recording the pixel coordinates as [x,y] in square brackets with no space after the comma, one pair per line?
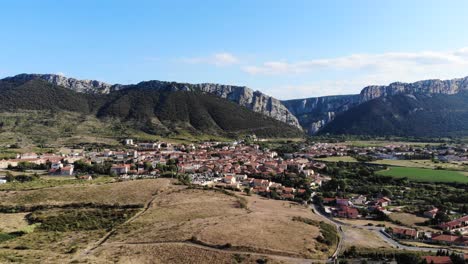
[438,259]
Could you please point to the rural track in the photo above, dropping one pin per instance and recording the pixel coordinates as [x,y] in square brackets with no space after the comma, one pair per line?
[103,239]
[295,260]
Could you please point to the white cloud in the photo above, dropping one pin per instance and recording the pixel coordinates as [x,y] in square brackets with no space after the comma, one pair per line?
[217,59]
[349,74]
[391,60]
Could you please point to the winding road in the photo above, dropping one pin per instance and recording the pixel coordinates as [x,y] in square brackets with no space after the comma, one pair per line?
[377,230]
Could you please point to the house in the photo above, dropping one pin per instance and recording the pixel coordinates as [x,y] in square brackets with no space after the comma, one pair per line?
[345,211]
[431,213]
[460,224]
[67,170]
[128,141]
[405,233]
[120,169]
[308,172]
[29,155]
[450,239]
[342,202]
[261,182]
[382,202]
[63,171]
[229,179]
[361,199]
[2,181]
[437,259]
[56,165]
[240,177]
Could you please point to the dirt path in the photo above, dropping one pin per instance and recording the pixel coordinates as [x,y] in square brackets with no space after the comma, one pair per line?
[101,241]
[295,260]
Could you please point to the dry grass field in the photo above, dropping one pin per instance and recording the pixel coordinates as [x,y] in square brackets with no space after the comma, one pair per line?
[362,238]
[38,245]
[165,253]
[12,222]
[177,225]
[131,192]
[407,219]
[217,220]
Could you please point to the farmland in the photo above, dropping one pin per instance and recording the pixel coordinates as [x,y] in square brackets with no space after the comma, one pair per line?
[338,158]
[428,164]
[425,175]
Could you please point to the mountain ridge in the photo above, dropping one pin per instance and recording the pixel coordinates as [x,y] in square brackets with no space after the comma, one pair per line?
[310,114]
[153,111]
[316,112]
[242,95]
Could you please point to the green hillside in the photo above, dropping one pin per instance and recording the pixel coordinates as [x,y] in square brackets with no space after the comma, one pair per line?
[419,115]
[37,111]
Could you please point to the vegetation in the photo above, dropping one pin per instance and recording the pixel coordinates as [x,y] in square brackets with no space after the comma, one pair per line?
[425,175]
[329,235]
[79,219]
[35,111]
[442,116]
[357,178]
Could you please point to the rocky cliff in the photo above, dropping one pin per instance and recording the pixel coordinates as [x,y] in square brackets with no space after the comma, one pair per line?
[244,96]
[422,87]
[82,86]
[314,113]
[253,100]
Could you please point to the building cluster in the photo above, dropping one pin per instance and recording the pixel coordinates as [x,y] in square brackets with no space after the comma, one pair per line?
[348,208]
[234,165]
[445,153]
[429,237]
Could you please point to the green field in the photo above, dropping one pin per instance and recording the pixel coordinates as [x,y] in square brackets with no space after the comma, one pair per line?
[338,158]
[428,164]
[425,175]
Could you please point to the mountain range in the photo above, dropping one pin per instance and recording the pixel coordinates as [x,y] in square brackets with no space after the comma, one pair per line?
[431,108]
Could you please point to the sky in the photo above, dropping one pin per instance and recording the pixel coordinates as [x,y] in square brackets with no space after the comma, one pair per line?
[287,49]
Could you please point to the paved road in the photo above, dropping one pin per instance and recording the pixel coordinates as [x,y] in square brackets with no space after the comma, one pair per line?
[376,230]
[342,237]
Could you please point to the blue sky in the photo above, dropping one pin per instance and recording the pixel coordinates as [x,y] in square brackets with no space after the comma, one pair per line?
[288,49]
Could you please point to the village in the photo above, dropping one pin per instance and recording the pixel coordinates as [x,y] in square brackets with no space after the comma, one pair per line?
[252,168]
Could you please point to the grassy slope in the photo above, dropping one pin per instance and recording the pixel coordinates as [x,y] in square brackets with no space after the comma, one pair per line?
[402,115]
[39,112]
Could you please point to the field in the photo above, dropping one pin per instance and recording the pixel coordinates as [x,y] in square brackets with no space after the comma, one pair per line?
[132,192]
[13,222]
[407,219]
[362,238]
[214,220]
[378,143]
[51,181]
[425,175]
[154,221]
[428,164]
[339,158]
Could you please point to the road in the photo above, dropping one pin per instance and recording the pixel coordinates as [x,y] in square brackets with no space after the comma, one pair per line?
[376,230]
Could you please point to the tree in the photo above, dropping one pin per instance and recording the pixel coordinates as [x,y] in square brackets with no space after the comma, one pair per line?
[9,176]
[386,192]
